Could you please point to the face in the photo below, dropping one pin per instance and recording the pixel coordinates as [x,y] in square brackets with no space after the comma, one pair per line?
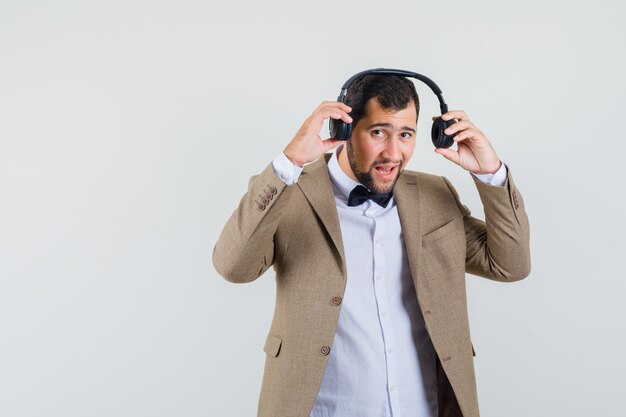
[382,143]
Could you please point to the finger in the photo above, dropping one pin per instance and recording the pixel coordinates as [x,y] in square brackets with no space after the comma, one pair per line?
[455,114]
[343,116]
[345,107]
[436,117]
[449,154]
[459,126]
[467,134]
[331,143]
[334,113]
[334,105]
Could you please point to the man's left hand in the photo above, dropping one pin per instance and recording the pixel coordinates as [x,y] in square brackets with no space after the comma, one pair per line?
[474,152]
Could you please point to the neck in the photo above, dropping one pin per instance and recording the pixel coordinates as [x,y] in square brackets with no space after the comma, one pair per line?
[344,163]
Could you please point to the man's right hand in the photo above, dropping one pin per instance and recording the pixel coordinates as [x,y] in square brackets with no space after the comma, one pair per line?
[307,146]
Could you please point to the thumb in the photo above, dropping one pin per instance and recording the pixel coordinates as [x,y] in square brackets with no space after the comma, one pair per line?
[331,143]
[449,154]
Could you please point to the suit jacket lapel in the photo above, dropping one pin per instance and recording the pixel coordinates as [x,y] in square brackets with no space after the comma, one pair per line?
[318,189]
[407,196]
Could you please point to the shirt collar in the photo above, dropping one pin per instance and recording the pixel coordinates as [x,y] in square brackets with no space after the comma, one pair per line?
[340,179]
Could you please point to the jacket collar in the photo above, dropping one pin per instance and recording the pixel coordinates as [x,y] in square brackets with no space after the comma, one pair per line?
[407,193]
[316,185]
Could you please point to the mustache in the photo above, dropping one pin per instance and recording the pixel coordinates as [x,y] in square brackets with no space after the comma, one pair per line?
[399,162]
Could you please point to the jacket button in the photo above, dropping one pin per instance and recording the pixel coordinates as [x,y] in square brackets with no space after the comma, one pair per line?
[325,350]
[261,207]
[269,196]
[273,190]
[335,301]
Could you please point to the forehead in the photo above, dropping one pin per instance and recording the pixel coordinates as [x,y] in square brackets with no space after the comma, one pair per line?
[375,113]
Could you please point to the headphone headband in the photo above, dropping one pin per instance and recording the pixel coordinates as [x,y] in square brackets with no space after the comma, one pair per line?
[390,71]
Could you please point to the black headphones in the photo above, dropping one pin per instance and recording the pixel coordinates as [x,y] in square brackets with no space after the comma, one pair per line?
[342,130]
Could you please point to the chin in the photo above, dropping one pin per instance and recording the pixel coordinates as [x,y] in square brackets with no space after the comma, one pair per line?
[385,187]
[384,180]
[384,190]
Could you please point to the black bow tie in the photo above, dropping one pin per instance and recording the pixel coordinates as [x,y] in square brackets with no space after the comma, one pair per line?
[360,195]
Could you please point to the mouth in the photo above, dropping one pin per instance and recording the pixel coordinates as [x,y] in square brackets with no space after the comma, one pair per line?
[386,171]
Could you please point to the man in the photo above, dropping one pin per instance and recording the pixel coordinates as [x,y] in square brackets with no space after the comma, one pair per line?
[371,314]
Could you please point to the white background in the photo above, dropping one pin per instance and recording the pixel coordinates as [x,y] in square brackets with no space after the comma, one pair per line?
[128,131]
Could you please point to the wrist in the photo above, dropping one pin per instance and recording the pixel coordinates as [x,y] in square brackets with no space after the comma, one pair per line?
[297,162]
[489,170]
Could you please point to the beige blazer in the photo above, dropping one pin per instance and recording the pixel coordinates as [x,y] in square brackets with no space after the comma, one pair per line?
[296,229]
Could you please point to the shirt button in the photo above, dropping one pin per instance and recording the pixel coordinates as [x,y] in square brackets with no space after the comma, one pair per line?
[383,313]
[389,350]
[325,350]
[284,176]
[335,301]
[393,387]
[378,277]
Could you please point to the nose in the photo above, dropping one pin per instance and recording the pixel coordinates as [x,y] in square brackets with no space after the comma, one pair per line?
[391,151]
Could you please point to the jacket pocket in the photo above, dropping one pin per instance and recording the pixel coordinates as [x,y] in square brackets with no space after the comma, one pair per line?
[272,345]
[437,234]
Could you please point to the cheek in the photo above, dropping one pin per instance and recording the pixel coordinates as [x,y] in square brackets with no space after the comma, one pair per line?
[371,157]
[407,151]
[365,156]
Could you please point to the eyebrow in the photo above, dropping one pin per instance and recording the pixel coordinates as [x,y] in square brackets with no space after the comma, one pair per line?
[389,125]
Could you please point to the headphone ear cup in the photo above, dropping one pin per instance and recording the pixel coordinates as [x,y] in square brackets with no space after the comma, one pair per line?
[339,129]
[440,139]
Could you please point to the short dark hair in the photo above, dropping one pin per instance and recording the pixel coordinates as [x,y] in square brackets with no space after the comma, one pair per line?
[393,92]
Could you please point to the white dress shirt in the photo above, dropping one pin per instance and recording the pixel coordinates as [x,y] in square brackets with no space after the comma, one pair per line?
[382,362]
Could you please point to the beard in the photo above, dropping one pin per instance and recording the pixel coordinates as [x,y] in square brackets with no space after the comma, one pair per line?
[366,178]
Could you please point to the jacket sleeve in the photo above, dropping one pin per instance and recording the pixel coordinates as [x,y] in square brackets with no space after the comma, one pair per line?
[245,248]
[499,247]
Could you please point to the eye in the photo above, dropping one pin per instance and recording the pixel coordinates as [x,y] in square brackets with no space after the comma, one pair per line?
[406,135]
[378,134]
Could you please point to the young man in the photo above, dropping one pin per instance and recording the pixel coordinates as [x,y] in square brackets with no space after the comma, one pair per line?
[370,261]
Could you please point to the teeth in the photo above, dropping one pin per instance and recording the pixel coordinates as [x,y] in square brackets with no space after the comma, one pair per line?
[385,171]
